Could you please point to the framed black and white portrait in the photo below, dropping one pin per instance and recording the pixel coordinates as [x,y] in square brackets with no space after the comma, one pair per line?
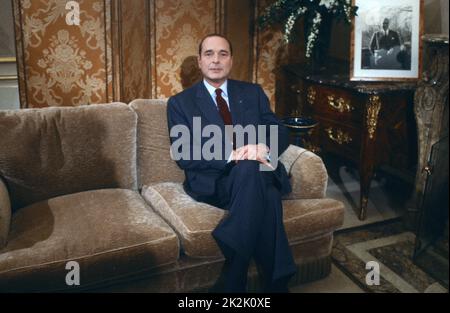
[385,42]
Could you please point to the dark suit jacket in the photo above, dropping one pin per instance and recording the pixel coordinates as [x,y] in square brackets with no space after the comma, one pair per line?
[382,41]
[248,105]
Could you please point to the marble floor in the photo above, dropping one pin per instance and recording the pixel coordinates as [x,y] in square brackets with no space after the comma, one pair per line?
[379,238]
[387,197]
[388,246]
[387,249]
[336,282]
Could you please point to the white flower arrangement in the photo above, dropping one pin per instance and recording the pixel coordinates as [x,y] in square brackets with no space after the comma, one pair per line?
[287,12]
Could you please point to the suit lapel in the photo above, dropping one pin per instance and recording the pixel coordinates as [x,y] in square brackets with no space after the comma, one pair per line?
[207,106]
[236,102]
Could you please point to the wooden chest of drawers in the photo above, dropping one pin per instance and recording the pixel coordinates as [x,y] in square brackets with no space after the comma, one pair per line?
[369,124]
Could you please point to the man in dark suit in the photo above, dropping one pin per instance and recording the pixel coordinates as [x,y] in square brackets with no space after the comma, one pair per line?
[388,51]
[244,177]
[385,39]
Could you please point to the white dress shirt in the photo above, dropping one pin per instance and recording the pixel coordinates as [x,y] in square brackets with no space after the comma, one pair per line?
[212,92]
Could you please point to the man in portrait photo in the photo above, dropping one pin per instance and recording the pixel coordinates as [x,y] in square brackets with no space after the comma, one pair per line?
[387,49]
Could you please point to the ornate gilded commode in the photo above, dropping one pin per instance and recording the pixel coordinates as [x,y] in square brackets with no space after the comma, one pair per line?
[368,123]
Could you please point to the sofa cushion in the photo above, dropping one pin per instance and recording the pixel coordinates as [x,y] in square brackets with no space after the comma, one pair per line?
[194,221]
[56,151]
[308,218]
[155,163]
[111,233]
[5,214]
[307,173]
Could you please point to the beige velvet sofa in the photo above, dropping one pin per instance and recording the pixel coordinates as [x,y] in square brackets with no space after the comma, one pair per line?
[96,185]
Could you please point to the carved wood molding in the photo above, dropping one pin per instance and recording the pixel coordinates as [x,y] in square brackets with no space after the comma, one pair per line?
[20,54]
[430,103]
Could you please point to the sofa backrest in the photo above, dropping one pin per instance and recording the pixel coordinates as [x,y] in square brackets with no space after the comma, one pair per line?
[153,145]
[55,151]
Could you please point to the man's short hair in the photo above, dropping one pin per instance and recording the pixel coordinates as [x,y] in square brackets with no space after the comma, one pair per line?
[214,35]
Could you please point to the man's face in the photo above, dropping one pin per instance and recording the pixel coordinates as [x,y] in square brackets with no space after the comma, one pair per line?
[385,25]
[215,60]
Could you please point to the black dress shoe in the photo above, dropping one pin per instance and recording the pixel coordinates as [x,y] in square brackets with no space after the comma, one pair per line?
[219,285]
[233,278]
[276,289]
[279,286]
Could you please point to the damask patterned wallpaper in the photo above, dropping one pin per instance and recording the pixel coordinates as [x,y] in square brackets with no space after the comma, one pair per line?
[131,49]
[179,26]
[63,64]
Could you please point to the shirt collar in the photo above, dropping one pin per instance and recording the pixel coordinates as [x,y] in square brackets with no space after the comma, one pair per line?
[212,89]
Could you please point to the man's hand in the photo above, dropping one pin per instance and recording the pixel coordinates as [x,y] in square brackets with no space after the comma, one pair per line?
[259,152]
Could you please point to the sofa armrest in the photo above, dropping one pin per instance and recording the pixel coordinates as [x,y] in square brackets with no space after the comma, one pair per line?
[5,214]
[307,173]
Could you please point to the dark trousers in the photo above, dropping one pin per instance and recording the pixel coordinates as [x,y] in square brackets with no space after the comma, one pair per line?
[253,228]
